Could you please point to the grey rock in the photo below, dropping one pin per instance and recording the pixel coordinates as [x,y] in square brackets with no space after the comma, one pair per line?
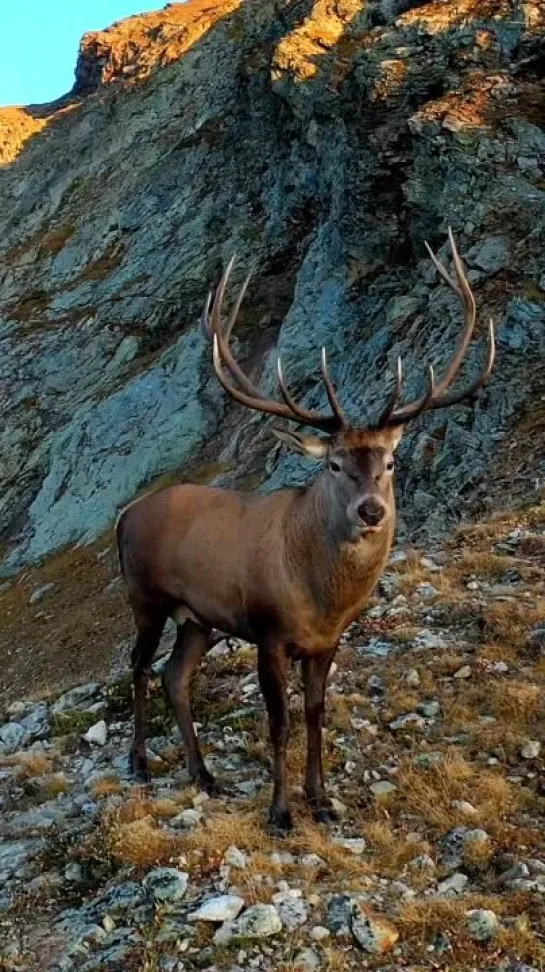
[423,862]
[514,873]
[411,720]
[97,734]
[356,845]
[225,907]
[40,592]
[491,255]
[453,845]
[306,959]
[77,698]
[530,749]
[15,856]
[482,924]
[235,858]
[312,861]
[463,673]
[167,883]
[374,933]
[259,921]
[36,722]
[292,910]
[187,819]
[376,647]
[339,914]
[125,897]
[429,760]
[383,788]
[453,885]
[12,736]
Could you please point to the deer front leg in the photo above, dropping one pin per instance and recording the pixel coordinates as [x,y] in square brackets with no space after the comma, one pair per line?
[272,678]
[315,672]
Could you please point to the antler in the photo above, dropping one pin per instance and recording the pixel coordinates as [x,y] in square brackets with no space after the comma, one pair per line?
[437,395]
[247,393]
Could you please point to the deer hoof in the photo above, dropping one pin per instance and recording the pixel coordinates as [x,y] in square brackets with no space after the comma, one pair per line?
[280,822]
[205,781]
[138,768]
[325,815]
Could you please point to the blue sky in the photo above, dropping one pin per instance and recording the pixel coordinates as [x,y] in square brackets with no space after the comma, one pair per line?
[40,41]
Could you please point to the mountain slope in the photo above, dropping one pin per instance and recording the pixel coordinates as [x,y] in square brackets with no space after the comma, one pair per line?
[323,143]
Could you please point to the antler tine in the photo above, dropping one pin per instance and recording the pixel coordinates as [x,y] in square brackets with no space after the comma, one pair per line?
[463,290]
[205,316]
[436,397]
[455,397]
[248,394]
[394,397]
[223,338]
[330,390]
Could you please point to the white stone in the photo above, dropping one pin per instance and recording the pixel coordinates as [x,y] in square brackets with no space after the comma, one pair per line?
[97,734]
[530,749]
[356,845]
[235,857]
[382,788]
[454,884]
[464,672]
[319,933]
[226,907]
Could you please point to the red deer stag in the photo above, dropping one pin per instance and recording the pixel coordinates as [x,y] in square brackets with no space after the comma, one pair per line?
[287,570]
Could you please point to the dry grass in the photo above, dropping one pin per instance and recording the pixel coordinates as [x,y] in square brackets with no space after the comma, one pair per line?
[142,844]
[107,786]
[29,765]
[390,847]
[53,785]
[510,621]
[429,794]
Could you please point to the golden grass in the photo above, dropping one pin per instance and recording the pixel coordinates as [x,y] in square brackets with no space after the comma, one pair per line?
[420,921]
[107,786]
[390,848]
[141,843]
[53,785]
[29,765]
[510,622]
[430,793]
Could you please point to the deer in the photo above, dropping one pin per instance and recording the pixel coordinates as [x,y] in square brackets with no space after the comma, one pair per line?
[287,570]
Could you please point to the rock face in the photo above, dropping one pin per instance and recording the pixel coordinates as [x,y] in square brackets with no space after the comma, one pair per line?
[322,144]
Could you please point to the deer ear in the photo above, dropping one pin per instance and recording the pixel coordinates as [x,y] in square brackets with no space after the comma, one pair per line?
[393,436]
[309,445]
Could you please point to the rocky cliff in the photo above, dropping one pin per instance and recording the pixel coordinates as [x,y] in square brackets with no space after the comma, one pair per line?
[323,142]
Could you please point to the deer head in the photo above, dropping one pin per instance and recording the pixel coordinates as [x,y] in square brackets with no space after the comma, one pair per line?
[359,462]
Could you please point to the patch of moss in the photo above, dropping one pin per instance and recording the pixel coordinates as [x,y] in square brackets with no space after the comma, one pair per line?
[119,698]
[74,722]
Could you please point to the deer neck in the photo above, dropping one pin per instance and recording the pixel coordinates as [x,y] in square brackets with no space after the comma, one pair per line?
[338,574]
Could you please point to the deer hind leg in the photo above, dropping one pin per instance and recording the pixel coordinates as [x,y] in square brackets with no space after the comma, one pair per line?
[315,672]
[149,631]
[191,644]
[272,677]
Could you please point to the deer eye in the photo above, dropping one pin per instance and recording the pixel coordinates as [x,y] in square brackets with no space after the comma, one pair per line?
[335,466]
[390,465]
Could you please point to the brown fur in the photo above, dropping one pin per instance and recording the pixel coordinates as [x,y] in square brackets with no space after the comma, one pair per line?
[274,568]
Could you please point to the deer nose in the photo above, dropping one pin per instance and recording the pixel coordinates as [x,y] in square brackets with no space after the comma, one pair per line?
[371,511]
